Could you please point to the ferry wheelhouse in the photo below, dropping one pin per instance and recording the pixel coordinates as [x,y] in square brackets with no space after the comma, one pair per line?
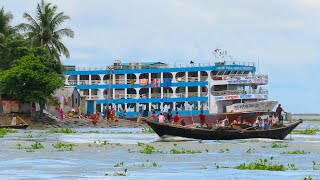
[218,87]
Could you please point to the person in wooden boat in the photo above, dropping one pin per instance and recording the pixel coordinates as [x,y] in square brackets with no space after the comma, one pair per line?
[278,113]
[234,122]
[153,116]
[275,121]
[225,122]
[169,115]
[266,124]
[161,118]
[257,123]
[176,118]
[202,118]
[239,119]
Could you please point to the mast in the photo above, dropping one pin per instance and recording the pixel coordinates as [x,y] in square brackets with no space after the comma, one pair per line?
[110,84]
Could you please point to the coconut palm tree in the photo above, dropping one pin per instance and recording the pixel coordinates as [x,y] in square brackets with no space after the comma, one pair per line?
[5,28]
[43,30]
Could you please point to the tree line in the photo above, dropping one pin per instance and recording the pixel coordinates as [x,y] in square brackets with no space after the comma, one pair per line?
[30,66]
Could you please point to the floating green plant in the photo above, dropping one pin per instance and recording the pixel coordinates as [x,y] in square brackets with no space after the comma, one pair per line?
[184,151]
[279,145]
[295,152]
[63,147]
[124,173]
[119,164]
[148,149]
[308,131]
[316,166]
[265,164]
[90,132]
[141,144]
[147,129]
[33,147]
[19,146]
[220,166]
[152,165]
[307,178]
[250,150]
[4,131]
[33,136]
[223,151]
[63,130]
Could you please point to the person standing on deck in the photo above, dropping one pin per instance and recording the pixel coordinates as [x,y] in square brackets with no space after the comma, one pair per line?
[278,113]
[202,118]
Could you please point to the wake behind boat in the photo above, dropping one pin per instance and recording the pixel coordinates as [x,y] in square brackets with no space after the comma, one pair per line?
[163,129]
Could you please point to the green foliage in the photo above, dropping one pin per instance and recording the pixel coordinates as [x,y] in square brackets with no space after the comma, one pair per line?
[124,173]
[295,152]
[308,131]
[276,145]
[119,164]
[147,129]
[265,164]
[42,31]
[184,151]
[19,146]
[62,130]
[148,149]
[316,166]
[90,132]
[219,166]
[222,151]
[307,178]
[30,81]
[4,131]
[33,136]
[250,150]
[141,144]
[32,147]
[63,147]
[151,165]
[5,28]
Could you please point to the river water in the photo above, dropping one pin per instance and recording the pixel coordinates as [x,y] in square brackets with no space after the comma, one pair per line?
[103,154]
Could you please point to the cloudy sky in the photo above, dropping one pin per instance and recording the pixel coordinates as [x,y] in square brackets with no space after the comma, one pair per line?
[282,35]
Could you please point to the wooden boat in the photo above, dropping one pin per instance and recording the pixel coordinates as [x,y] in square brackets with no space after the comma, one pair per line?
[22,126]
[221,133]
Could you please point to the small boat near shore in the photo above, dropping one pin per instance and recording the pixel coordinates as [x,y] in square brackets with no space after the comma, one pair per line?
[22,126]
[222,133]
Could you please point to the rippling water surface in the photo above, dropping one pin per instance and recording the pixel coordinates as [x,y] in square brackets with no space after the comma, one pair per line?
[95,155]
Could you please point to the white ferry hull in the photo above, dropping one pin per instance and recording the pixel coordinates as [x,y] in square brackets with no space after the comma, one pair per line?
[252,106]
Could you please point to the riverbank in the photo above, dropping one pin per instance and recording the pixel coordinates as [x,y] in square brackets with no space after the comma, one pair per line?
[49,122]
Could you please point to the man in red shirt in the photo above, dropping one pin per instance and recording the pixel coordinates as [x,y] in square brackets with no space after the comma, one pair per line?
[201,117]
[176,118]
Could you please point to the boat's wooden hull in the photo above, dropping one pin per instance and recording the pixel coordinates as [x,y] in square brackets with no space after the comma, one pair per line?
[14,127]
[221,134]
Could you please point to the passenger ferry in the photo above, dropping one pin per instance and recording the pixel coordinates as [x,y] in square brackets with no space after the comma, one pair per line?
[224,86]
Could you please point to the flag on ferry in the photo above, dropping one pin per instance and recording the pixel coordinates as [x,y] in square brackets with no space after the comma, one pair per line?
[143,82]
[167,82]
[154,83]
[131,82]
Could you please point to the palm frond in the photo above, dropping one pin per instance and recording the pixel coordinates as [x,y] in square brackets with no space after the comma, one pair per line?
[64,32]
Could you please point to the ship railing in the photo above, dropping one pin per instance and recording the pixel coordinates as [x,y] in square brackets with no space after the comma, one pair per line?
[240,76]
[238,92]
[143,66]
[243,63]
